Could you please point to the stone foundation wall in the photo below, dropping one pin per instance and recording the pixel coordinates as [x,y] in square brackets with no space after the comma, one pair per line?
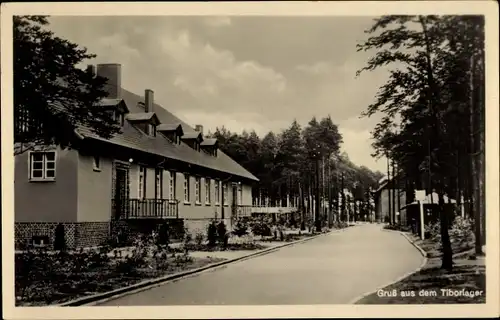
[25,231]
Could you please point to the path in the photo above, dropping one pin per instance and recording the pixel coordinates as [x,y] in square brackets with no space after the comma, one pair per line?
[331,269]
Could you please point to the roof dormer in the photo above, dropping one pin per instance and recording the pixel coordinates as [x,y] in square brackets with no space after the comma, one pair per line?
[147,121]
[116,107]
[173,132]
[193,139]
[210,146]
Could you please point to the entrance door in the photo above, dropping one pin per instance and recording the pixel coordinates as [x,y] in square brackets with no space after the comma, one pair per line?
[121,192]
[235,202]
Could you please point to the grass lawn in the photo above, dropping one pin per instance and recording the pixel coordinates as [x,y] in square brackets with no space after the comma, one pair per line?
[432,285]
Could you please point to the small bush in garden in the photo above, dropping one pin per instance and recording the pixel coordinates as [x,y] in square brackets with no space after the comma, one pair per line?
[188,237]
[261,228]
[211,234]
[433,231]
[59,238]
[461,232]
[222,235]
[240,228]
[163,237]
[198,238]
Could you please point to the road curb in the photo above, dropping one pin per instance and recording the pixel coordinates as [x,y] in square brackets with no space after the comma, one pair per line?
[424,262]
[148,284]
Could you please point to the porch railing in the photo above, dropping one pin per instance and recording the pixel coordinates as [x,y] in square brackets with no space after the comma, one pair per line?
[145,208]
[264,209]
[244,210]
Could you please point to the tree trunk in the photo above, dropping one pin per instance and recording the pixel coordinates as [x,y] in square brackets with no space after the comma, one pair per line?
[447,258]
[474,149]
[481,163]
[388,186]
[317,217]
[433,99]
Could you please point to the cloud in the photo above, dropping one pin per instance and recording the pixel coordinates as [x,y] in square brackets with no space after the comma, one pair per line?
[241,72]
[318,68]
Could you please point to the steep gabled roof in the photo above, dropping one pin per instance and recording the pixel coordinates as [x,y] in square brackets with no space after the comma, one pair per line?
[134,139]
[169,127]
[192,136]
[209,142]
[142,116]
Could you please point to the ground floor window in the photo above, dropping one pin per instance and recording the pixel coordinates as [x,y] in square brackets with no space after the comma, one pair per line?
[42,165]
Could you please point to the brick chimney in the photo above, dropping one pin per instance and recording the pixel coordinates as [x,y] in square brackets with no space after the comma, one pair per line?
[113,73]
[148,100]
[199,128]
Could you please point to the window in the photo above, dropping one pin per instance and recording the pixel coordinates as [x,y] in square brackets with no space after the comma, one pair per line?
[159,184]
[142,182]
[186,188]
[152,130]
[118,117]
[43,165]
[197,187]
[171,186]
[97,163]
[207,190]
[217,191]
[224,189]
[240,195]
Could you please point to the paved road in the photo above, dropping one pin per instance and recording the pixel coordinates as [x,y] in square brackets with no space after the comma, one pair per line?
[331,269]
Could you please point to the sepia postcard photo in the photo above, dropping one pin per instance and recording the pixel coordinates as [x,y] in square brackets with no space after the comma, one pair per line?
[248,160]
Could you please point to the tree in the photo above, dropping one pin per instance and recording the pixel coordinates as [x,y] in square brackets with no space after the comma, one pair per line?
[414,49]
[429,91]
[52,97]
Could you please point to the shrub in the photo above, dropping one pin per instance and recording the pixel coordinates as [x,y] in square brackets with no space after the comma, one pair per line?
[261,228]
[461,232]
[222,235]
[211,234]
[163,237]
[199,237]
[59,238]
[188,237]
[240,228]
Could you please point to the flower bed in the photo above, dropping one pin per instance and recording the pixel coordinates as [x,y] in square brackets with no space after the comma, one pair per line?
[45,278]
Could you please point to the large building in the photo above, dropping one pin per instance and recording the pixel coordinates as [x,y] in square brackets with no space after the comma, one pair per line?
[158,169]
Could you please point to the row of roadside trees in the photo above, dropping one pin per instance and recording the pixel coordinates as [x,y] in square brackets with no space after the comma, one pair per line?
[305,168]
[433,108]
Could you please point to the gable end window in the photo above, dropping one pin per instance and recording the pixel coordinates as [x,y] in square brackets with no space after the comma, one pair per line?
[42,166]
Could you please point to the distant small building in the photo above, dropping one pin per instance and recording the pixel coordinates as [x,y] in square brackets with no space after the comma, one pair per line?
[387,209]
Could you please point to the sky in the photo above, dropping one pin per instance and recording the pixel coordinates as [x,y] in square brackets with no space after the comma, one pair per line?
[242,72]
